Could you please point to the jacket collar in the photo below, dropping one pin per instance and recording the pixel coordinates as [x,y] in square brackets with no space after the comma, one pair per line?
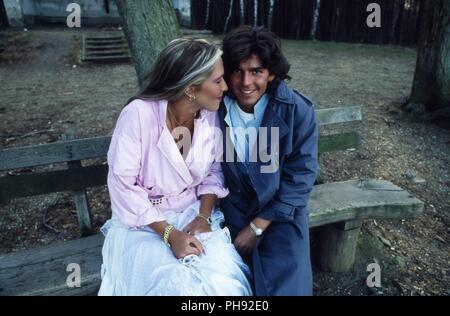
[169,148]
[280,91]
[277,97]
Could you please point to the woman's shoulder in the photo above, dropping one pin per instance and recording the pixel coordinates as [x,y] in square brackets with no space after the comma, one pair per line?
[141,106]
[139,109]
[138,114]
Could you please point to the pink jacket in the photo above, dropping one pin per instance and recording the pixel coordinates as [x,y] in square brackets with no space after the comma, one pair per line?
[145,163]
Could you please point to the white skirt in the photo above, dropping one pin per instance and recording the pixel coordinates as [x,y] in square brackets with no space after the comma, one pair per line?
[137,262]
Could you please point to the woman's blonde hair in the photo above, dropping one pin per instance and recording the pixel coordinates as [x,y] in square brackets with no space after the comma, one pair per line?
[184,62]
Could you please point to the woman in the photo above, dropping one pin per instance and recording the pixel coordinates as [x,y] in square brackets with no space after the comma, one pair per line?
[164,237]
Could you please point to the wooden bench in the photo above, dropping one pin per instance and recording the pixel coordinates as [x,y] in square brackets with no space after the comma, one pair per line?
[336,209]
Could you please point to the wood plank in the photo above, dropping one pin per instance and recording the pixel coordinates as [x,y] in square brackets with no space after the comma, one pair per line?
[83,46]
[360,199]
[62,151]
[42,271]
[107,42]
[104,38]
[108,58]
[103,47]
[338,115]
[94,53]
[79,149]
[337,142]
[53,181]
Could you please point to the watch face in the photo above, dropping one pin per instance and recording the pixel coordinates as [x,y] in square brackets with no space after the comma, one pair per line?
[258,231]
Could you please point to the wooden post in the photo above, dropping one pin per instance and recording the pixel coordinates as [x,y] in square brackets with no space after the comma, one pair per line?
[337,243]
[80,198]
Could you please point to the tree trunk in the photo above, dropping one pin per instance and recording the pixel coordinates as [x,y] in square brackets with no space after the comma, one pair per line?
[315,20]
[270,16]
[230,12]
[255,12]
[149,26]
[3,17]
[431,85]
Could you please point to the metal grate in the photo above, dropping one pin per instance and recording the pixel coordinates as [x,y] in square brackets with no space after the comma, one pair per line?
[105,47]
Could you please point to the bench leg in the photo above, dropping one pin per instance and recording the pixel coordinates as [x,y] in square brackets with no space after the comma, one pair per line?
[80,198]
[337,243]
[83,212]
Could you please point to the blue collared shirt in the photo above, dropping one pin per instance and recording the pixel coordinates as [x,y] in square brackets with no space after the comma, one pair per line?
[244,124]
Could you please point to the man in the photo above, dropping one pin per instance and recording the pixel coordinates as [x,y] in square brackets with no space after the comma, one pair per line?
[266,211]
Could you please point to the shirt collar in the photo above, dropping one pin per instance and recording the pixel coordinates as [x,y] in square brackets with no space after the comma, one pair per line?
[258,109]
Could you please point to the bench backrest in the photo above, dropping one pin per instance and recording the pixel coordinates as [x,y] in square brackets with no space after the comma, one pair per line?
[77,178]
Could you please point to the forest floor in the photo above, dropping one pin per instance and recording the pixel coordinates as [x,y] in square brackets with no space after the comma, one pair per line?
[45,91]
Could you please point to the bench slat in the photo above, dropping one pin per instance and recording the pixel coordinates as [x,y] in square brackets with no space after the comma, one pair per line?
[79,178]
[52,181]
[338,115]
[54,153]
[42,271]
[63,151]
[360,199]
[86,148]
[337,142]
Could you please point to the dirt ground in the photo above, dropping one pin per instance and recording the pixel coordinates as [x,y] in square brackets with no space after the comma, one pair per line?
[45,91]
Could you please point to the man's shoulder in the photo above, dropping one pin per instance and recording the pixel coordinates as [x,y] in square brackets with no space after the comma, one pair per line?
[302,98]
[292,96]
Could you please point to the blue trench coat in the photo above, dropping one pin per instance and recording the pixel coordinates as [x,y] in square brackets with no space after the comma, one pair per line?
[280,262]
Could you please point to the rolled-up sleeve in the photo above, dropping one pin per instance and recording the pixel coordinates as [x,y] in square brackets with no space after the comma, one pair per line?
[213,183]
[129,200]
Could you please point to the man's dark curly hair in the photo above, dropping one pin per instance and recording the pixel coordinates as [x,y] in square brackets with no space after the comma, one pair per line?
[243,41]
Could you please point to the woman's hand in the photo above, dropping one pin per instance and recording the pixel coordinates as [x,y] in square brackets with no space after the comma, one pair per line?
[183,244]
[198,225]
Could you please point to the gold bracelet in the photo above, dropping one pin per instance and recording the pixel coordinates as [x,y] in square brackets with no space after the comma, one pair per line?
[167,231]
[207,219]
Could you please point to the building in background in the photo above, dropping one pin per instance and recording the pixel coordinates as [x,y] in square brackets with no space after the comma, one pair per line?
[93,12]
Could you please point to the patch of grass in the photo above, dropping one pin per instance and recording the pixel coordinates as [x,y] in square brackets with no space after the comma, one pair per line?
[350,48]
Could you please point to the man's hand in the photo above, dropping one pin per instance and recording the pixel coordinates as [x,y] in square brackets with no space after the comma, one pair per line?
[245,241]
[183,244]
[198,225]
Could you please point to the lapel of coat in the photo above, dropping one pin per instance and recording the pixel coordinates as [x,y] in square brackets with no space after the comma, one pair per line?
[228,146]
[271,120]
[169,148]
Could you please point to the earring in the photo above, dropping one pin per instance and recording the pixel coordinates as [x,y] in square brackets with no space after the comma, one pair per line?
[190,96]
